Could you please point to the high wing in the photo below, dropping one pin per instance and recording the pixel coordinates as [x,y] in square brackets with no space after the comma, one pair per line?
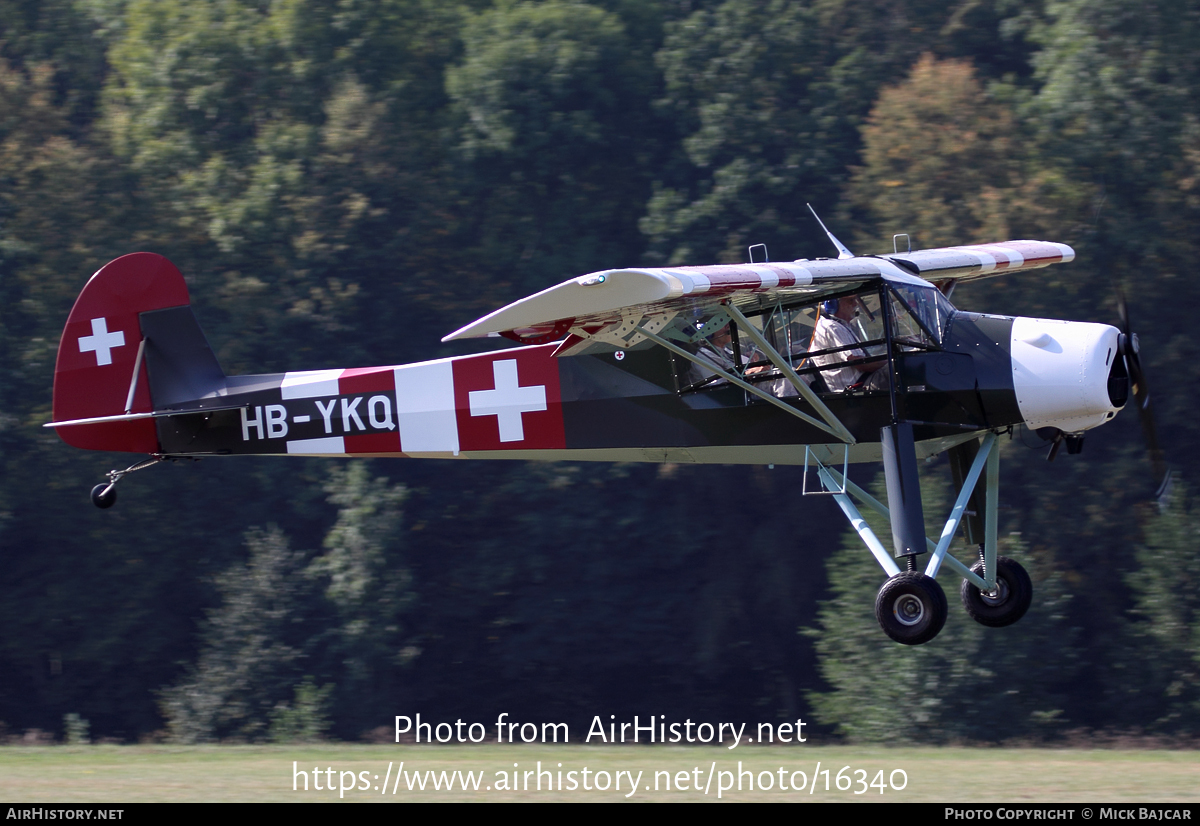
[971,263]
[613,303]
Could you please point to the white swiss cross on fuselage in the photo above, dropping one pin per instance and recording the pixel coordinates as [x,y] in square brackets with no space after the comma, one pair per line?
[508,401]
[101,342]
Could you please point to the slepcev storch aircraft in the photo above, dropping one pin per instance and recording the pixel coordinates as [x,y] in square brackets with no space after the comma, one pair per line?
[726,363]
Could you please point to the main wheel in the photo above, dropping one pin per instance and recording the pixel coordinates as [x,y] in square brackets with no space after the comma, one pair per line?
[104,495]
[1014,593]
[911,608]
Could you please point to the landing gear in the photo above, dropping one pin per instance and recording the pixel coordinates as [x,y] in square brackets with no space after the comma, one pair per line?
[1008,603]
[911,608]
[104,495]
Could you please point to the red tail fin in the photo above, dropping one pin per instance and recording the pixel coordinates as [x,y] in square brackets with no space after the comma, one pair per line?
[99,350]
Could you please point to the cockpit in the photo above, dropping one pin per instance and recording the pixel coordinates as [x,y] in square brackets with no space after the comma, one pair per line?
[836,345]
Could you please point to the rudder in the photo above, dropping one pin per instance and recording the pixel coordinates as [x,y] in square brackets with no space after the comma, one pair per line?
[100,348]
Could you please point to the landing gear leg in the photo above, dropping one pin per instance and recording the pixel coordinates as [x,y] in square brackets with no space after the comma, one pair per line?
[911,606]
[903,489]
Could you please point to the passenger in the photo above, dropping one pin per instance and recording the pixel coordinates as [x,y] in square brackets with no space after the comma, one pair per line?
[780,387]
[722,343]
[833,330]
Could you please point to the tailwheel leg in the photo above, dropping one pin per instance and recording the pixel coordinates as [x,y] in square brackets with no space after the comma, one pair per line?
[104,495]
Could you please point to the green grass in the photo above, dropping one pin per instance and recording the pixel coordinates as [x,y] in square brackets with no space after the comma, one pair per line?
[64,774]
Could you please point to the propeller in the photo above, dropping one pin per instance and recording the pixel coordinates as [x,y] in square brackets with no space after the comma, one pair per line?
[1141,393]
[1130,349]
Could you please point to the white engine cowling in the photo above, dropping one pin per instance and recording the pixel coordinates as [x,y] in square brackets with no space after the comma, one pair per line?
[1061,373]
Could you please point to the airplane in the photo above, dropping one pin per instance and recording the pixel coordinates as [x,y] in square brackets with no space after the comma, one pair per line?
[725,363]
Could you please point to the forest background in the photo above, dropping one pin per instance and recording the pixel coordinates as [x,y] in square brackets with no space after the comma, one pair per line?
[342,183]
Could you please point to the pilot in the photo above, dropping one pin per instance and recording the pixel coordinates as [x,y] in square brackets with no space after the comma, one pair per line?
[833,330]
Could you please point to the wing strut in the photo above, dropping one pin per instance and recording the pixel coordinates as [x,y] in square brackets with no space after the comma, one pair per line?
[835,425]
[745,385]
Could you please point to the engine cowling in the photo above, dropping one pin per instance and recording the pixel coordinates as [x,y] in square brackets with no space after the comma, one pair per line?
[1069,375]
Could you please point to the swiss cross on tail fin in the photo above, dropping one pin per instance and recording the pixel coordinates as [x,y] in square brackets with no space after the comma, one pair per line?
[101,341]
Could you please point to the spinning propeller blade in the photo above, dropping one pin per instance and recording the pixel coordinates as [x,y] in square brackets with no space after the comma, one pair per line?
[1141,392]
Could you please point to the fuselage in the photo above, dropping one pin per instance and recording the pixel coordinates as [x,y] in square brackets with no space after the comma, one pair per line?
[991,372]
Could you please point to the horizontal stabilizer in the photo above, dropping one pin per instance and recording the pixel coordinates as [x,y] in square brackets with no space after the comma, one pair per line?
[154,414]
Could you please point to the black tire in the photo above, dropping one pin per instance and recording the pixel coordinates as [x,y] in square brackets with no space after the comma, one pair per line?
[911,608]
[1013,598]
[104,495]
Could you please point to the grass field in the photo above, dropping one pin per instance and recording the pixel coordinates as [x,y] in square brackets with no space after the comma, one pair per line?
[63,774]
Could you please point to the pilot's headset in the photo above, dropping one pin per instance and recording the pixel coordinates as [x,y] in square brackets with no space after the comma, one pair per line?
[830,307]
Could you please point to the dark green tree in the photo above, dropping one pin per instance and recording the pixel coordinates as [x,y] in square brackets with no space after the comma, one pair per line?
[252,652]
[66,207]
[64,40]
[1165,633]
[769,98]
[339,615]
[368,596]
[743,86]
[552,105]
[557,588]
[295,149]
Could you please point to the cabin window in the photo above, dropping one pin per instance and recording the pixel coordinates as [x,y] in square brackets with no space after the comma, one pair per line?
[921,314]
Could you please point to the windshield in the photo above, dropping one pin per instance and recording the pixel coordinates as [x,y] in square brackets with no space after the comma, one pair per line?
[921,313]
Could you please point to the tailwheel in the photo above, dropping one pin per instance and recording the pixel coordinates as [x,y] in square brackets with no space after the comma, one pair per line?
[104,495]
[911,608]
[1008,603]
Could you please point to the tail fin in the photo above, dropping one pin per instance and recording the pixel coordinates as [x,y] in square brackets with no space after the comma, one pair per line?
[131,346]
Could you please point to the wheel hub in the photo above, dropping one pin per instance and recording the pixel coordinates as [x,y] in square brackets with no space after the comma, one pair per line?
[908,610]
[997,596]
